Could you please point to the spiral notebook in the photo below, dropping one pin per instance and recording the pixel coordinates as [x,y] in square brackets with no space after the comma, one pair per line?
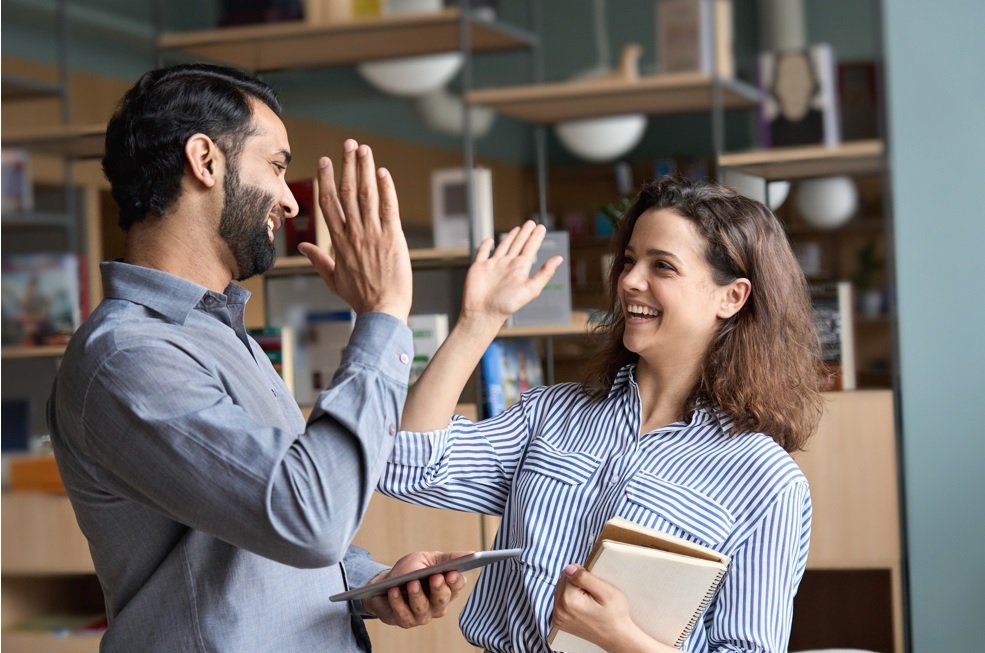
[669,581]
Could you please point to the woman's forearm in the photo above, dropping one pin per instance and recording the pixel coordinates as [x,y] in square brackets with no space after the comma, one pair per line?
[432,399]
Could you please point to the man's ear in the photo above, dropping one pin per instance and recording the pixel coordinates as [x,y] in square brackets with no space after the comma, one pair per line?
[734,297]
[204,159]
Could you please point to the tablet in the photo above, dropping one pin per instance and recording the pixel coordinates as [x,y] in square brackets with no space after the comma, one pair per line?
[462,563]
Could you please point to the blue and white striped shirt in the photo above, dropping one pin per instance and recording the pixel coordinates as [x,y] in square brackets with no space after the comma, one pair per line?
[558,464]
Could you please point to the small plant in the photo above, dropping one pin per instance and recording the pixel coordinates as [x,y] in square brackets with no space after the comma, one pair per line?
[867,267]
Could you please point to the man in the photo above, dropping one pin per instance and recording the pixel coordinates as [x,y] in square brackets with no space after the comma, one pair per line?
[217,519]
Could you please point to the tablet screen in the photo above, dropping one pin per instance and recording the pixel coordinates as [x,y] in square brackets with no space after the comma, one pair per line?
[463,563]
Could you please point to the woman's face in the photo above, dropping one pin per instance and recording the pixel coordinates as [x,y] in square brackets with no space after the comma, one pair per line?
[670,301]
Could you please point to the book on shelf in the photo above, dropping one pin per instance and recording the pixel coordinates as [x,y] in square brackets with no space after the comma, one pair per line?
[668,580]
[834,319]
[278,344]
[44,298]
[36,473]
[799,97]
[428,332]
[319,352]
[695,35]
[553,305]
[509,367]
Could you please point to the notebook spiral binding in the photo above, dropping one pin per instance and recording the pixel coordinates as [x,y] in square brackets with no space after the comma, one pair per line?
[700,610]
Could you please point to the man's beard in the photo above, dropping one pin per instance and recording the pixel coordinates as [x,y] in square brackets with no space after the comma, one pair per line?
[243,225]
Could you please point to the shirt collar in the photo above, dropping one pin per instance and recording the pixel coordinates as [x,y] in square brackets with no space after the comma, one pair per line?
[169,295]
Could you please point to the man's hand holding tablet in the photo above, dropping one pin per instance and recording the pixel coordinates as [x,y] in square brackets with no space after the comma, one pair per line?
[418,603]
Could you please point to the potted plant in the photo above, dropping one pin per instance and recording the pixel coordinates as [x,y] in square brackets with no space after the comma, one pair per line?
[867,266]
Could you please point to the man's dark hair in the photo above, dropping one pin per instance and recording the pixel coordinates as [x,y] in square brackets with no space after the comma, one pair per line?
[145,138]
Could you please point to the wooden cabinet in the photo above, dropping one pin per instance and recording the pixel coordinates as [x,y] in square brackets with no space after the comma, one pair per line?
[852,465]
[46,572]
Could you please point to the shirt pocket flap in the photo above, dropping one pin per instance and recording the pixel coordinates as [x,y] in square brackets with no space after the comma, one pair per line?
[569,467]
[688,509]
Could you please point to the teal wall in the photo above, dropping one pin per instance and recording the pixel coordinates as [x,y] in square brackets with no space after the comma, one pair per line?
[936,93]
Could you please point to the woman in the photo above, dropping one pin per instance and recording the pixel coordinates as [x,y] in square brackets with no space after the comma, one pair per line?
[709,374]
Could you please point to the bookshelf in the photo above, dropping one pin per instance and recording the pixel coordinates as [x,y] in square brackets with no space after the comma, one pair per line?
[838,249]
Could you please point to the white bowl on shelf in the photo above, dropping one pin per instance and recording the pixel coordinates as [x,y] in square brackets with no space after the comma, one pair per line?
[412,76]
[827,202]
[602,139]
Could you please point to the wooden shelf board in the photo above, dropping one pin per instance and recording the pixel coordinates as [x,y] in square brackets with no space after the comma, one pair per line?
[276,46]
[75,141]
[419,258]
[851,158]
[39,351]
[15,87]
[578,326]
[23,641]
[654,94]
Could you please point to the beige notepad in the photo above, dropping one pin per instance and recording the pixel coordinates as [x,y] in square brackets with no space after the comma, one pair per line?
[669,581]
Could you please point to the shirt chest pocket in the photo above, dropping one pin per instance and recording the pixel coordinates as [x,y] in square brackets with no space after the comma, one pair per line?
[677,509]
[567,467]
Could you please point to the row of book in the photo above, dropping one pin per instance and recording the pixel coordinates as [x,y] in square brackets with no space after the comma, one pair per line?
[308,360]
[44,301]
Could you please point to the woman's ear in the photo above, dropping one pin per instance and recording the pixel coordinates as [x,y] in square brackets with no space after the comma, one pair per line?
[734,296]
[204,158]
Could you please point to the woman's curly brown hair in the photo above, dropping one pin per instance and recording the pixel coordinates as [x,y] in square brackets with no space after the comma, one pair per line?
[763,368]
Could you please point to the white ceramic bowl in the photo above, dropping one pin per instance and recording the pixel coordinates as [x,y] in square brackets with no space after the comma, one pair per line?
[602,139]
[828,202]
[412,76]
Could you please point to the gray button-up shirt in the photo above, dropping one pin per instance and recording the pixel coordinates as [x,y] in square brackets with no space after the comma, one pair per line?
[216,518]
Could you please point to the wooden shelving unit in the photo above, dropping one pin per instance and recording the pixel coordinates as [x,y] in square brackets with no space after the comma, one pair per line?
[655,94]
[71,141]
[42,570]
[851,158]
[280,46]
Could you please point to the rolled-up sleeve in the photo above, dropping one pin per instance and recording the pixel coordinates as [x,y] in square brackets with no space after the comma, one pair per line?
[466,466]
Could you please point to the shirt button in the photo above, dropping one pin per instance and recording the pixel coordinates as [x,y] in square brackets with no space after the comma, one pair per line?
[404,358]
[614,479]
[392,430]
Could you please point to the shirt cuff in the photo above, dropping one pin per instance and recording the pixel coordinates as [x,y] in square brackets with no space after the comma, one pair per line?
[383,342]
[416,449]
